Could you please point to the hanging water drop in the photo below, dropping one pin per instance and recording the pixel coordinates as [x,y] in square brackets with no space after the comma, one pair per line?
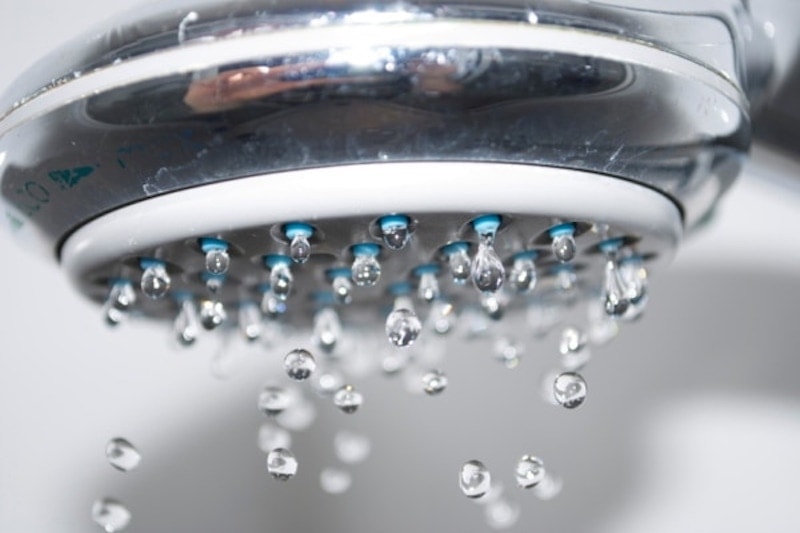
[351,448]
[155,281]
[348,399]
[615,301]
[335,480]
[366,270]
[111,515]
[523,274]
[273,400]
[212,314]
[402,324]
[327,329]
[395,231]
[280,276]
[563,242]
[250,320]
[530,471]
[218,259]
[122,455]
[342,289]
[121,298]
[281,464]
[569,390]
[634,275]
[299,364]
[271,436]
[474,479]
[299,234]
[458,261]
[488,272]
[434,382]
[187,323]
[428,289]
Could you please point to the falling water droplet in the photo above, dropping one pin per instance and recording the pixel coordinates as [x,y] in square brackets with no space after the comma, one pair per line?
[300,248]
[281,464]
[327,329]
[459,263]
[348,399]
[395,231]
[335,480]
[342,289]
[187,323]
[281,280]
[250,320]
[564,247]
[366,270]
[569,390]
[487,268]
[614,297]
[434,382]
[508,352]
[299,364]
[530,471]
[273,400]
[402,324]
[573,348]
[442,317]
[271,436]
[217,261]
[122,455]
[212,314]
[155,280]
[474,479]
[111,515]
[523,274]
[350,447]
[121,298]
[501,513]
[428,289]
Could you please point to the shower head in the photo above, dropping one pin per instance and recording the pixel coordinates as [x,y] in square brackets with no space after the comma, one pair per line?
[369,168]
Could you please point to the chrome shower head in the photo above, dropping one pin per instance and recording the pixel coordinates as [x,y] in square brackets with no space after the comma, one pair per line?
[377,169]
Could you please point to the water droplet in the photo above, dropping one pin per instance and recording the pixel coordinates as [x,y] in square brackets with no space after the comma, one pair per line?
[348,399]
[394,361]
[529,472]
[569,389]
[460,265]
[614,297]
[428,289]
[366,270]
[299,364]
[273,400]
[442,317]
[501,513]
[523,274]
[564,247]
[634,275]
[573,340]
[271,436]
[566,279]
[281,464]
[342,290]
[155,281]
[212,314]
[121,298]
[111,515]
[281,280]
[395,231]
[350,447]
[493,305]
[214,283]
[487,268]
[327,384]
[250,320]
[217,261]
[122,454]
[335,480]
[271,305]
[434,382]
[187,323]
[508,352]
[300,248]
[402,325]
[327,329]
[474,479]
